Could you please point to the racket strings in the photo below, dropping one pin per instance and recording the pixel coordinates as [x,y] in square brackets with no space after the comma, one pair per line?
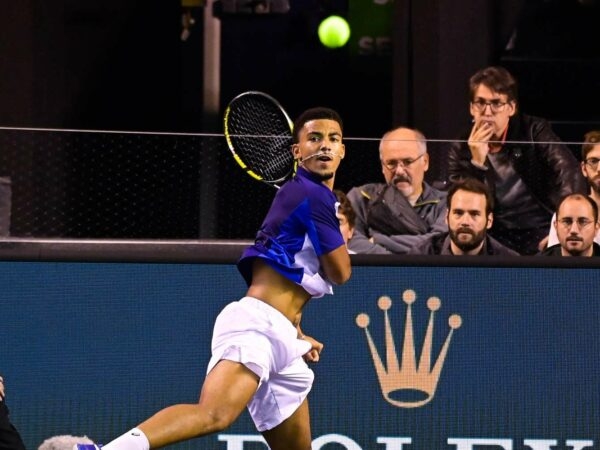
[260,134]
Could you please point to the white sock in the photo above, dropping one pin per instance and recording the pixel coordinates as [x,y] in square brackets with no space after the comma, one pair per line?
[134,439]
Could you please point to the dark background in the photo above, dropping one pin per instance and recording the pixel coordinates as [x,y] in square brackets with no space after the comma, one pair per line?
[121,65]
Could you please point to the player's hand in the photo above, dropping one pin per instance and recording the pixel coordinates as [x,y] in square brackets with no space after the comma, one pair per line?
[314,353]
[1,388]
[481,133]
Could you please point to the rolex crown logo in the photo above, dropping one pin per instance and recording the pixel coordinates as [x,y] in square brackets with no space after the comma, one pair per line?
[405,383]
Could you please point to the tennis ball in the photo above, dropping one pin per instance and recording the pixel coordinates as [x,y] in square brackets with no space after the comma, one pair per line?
[334,32]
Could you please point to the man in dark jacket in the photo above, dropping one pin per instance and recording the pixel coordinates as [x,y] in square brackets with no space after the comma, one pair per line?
[525,165]
[469,217]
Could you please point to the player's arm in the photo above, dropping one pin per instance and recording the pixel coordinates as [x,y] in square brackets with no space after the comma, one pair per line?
[336,265]
[333,253]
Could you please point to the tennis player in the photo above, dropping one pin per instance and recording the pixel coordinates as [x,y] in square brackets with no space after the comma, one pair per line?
[259,351]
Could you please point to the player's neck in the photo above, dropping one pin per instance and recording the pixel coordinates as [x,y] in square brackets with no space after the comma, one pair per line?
[329,182]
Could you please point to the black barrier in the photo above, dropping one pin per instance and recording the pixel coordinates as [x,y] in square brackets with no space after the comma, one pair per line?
[96,336]
[227,251]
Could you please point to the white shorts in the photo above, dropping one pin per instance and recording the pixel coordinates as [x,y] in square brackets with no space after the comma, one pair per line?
[255,334]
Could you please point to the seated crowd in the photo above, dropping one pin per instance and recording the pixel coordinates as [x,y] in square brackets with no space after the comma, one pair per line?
[515,187]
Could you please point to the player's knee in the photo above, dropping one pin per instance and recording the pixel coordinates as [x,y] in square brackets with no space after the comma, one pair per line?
[220,419]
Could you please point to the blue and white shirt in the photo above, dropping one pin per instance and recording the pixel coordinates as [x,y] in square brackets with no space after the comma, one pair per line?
[300,226]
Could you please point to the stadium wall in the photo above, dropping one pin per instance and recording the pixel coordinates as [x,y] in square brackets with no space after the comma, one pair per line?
[97,335]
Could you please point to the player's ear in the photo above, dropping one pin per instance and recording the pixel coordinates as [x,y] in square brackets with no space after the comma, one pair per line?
[296,151]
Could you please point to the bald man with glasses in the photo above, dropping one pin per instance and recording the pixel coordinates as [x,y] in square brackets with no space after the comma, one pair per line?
[576,225]
[395,216]
[522,161]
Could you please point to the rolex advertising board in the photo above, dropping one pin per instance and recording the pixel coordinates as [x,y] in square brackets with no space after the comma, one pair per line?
[415,358]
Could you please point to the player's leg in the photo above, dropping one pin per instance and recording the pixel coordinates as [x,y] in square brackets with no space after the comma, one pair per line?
[293,433]
[226,391]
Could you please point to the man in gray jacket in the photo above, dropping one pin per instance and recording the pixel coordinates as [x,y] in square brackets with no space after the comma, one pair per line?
[394,216]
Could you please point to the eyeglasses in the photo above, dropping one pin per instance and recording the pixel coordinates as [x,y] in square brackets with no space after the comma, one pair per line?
[495,105]
[581,222]
[593,163]
[393,164]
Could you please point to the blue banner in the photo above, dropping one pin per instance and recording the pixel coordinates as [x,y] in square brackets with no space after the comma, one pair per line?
[415,358]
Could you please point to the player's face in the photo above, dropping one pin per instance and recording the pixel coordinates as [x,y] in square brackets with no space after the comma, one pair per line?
[497,118]
[467,220]
[320,149]
[575,227]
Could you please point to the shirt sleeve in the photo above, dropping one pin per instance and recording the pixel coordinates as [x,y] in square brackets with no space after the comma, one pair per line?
[324,227]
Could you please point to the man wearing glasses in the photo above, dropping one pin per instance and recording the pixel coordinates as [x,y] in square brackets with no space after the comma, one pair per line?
[590,167]
[523,162]
[576,226]
[394,216]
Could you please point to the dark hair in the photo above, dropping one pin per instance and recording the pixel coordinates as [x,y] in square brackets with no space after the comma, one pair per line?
[345,207]
[317,113]
[497,79]
[471,185]
[590,140]
[587,198]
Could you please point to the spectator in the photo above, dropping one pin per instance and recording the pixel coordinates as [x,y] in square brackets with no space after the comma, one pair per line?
[590,157]
[525,165]
[469,217]
[394,216]
[10,439]
[576,226]
[346,216]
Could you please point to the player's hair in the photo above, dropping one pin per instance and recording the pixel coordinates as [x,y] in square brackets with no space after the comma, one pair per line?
[497,79]
[317,113]
[471,185]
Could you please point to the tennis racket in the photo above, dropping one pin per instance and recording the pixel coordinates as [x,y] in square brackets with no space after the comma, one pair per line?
[259,134]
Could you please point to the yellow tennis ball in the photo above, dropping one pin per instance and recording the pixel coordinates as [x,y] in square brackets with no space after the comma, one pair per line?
[334,32]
